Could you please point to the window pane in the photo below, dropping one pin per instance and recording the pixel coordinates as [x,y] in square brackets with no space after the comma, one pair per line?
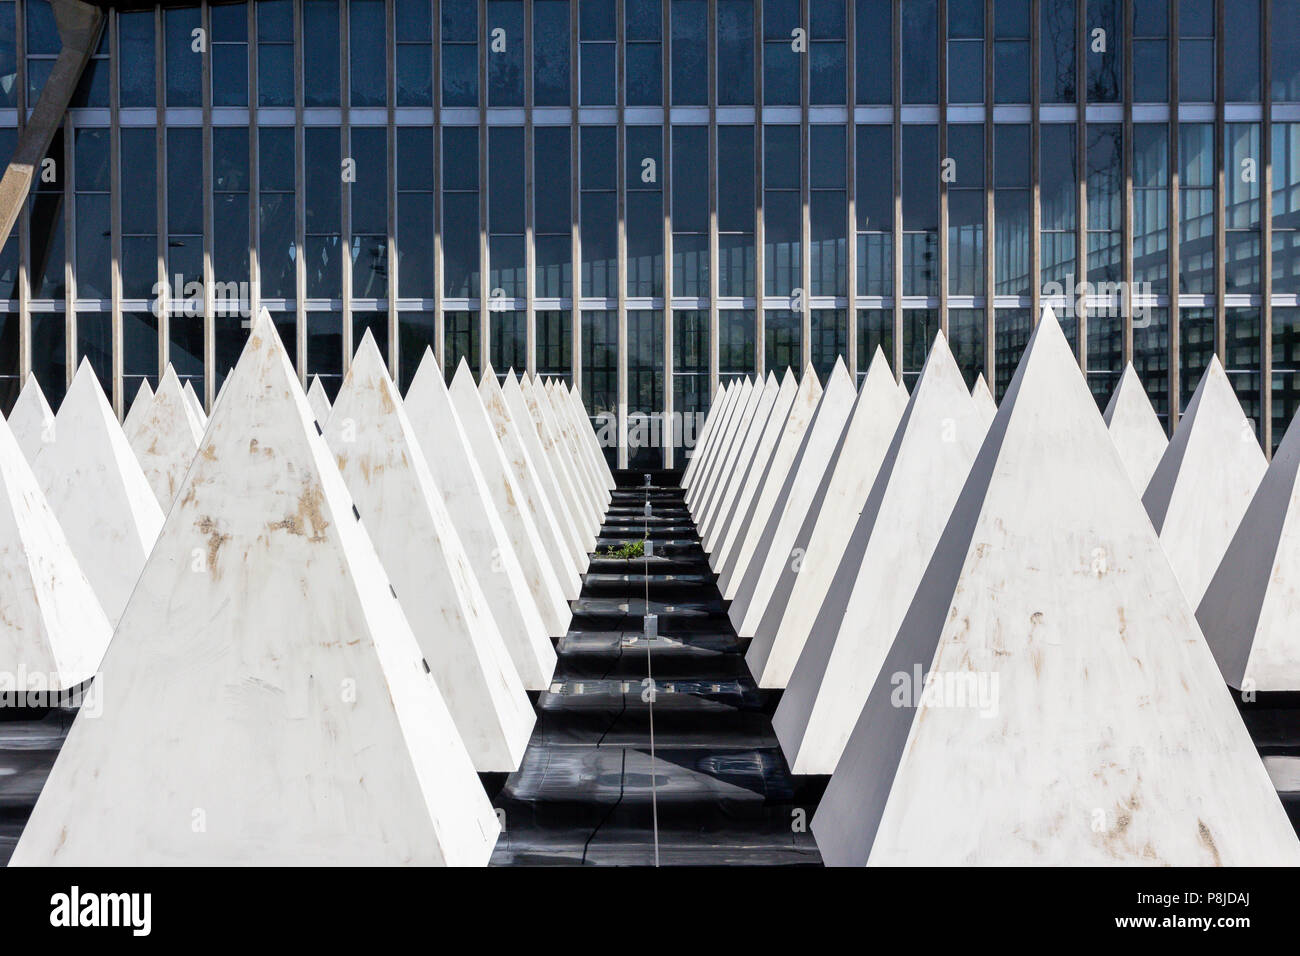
[690,52]
[320,52]
[551,53]
[184,65]
[367,69]
[505,53]
[920,52]
[735,35]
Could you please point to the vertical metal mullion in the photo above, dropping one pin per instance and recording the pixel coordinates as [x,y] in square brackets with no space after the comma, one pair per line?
[69,248]
[1220,192]
[439,320]
[1035,173]
[484,288]
[760,264]
[254,173]
[300,198]
[345,209]
[666,199]
[390,83]
[942,32]
[1126,198]
[805,196]
[620,153]
[851,182]
[530,230]
[990,352]
[209,320]
[1175,404]
[1266,232]
[897,67]
[1081,182]
[575,197]
[160,194]
[24,217]
[714,256]
[117,395]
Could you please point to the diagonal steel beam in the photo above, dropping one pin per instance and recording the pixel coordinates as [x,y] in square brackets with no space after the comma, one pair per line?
[79,26]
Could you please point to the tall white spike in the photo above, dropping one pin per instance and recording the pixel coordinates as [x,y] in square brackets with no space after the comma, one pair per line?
[547,467]
[564,559]
[404,514]
[1252,603]
[318,400]
[99,493]
[801,590]
[556,451]
[165,439]
[983,399]
[510,502]
[31,420]
[139,408]
[52,627]
[1135,429]
[263,681]
[723,535]
[1072,713]
[196,404]
[755,521]
[589,437]
[723,495]
[900,523]
[493,557]
[1204,481]
[777,546]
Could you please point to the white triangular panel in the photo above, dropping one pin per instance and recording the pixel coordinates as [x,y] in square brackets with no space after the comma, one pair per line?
[1204,481]
[1252,604]
[563,558]
[99,493]
[905,512]
[52,630]
[1072,713]
[318,400]
[801,592]
[723,534]
[404,514]
[776,548]
[263,700]
[510,501]
[983,399]
[1135,429]
[547,465]
[139,408]
[787,448]
[165,439]
[555,450]
[31,420]
[464,491]
[724,494]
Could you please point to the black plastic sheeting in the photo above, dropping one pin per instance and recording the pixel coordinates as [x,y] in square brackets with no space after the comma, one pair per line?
[588,789]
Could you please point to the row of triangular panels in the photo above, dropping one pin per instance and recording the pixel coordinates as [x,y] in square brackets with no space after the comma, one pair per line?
[326,618]
[984,619]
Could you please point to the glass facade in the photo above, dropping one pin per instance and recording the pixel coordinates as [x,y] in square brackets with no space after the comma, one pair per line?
[647,204]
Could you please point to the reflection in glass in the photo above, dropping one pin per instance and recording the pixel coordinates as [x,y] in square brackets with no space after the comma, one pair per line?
[1011,328]
[737,344]
[781,342]
[875,331]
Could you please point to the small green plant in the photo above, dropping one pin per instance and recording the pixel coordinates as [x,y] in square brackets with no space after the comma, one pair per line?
[633,549]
